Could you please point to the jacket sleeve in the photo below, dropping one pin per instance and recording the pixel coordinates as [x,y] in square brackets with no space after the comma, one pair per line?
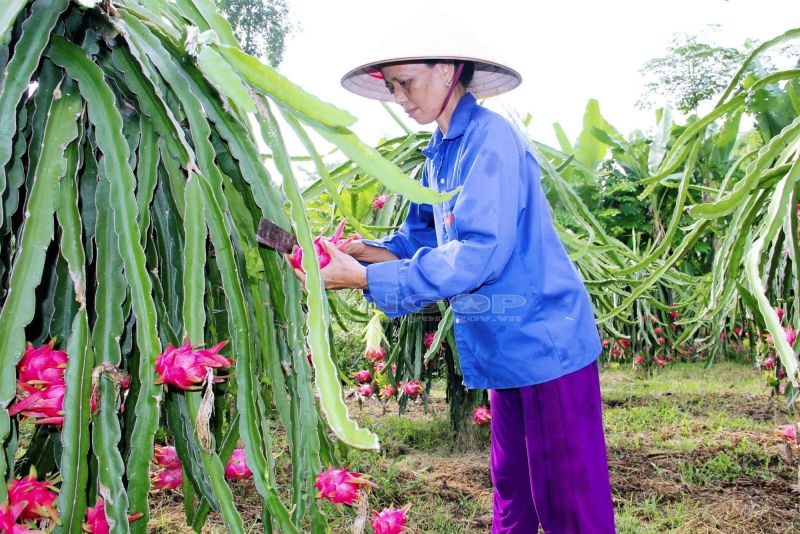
[485,215]
[417,231]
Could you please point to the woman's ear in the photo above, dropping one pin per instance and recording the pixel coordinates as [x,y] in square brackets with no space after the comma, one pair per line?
[446,70]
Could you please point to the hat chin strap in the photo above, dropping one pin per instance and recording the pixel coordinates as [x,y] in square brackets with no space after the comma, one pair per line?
[453,85]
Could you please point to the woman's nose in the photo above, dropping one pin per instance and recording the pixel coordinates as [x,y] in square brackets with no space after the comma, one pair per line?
[399,95]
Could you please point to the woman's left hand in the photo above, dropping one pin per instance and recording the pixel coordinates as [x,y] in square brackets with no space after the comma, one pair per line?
[343,271]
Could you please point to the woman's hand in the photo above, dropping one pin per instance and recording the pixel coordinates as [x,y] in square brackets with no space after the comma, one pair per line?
[354,249]
[343,271]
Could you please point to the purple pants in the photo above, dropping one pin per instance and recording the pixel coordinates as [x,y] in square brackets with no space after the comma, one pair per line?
[549,463]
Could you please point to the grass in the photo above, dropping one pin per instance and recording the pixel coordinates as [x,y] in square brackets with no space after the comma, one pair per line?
[691,450]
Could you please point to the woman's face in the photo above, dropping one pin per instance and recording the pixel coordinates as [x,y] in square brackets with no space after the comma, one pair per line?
[420,88]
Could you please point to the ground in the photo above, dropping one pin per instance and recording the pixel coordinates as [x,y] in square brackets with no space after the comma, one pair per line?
[691,450]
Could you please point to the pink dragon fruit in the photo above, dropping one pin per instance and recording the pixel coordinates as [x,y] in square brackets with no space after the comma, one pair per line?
[340,486]
[768,363]
[362,376]
[45,406]
[660,362]
[661,340]
[615,352]
[605,343]
[185,367]
[737,330]
[673,314]
[429,339]
[167,479]
[789,434]
[381,367]
[296,257]
[364,390]
[237,465]
[379,201]
[38,497]
[388,392]
[43,365]
[390,520]
[791,335]
[165,456]
[412,388]
[779,313]
[658,330]
[375,355]
[96,522]
[8,519]
[624,343]
[723,335]
[96,518]
[482,415]
[638,359]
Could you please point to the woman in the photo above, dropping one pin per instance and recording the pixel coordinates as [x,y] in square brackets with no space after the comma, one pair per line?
[524,325]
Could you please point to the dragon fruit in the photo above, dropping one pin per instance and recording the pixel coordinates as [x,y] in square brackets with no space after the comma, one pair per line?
[390,520]
[165,456]
[296,257]
[237,465]
[96,522]
[362,376]
[381,367]
[638,359]
[482,415]
[43,365]
[96,518]
[8,519]
[388,392]
[673,314]
[624,343]
[791,335]
[340,486]
[364,390]
[373,336]
[412,388]
[779,313]
[186,366]
[789,434]
[605,343]
[379,201]
[375,355]
[45,406]
[167,479]
[737,330]
[429,339]
[768,363]
[38,497]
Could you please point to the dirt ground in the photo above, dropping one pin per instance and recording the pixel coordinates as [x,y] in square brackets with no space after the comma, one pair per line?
[734,480]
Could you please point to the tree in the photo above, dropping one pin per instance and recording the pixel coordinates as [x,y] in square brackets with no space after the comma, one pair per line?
[261,26]
[689,73]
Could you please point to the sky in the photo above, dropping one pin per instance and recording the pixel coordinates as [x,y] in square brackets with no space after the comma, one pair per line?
[567,51]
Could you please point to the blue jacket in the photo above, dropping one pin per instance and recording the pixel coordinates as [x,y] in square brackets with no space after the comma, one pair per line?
[522,313]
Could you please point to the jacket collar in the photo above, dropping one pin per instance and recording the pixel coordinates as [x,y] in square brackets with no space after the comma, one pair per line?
[458,125]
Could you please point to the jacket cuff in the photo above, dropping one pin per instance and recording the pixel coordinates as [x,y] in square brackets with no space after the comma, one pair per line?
[383,287]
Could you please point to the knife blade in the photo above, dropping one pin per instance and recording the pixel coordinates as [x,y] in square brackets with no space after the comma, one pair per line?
[273,236]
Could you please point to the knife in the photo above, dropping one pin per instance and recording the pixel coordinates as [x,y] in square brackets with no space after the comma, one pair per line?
[273,236]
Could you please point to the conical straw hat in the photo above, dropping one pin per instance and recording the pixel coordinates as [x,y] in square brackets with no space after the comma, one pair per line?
[430,36]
